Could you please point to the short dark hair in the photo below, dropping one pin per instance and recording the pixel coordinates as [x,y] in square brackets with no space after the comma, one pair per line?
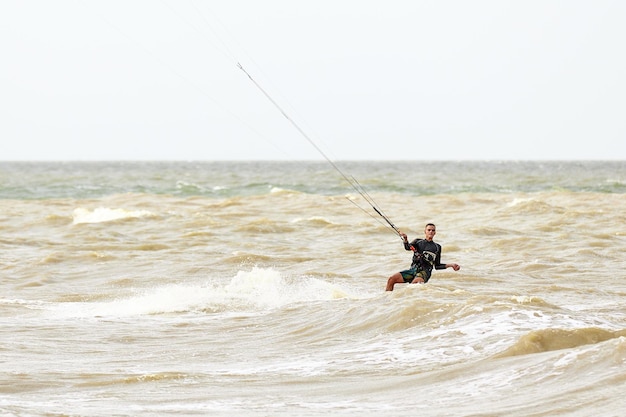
[430,224]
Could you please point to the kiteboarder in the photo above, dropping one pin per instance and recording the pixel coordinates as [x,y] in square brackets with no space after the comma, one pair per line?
[426,256]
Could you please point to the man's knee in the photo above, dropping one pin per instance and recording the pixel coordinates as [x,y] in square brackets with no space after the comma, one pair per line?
[393,280]
[397,278]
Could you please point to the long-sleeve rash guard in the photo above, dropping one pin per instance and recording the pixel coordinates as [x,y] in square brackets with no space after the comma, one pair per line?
[426,256]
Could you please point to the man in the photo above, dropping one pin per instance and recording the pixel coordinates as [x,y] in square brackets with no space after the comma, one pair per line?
[426,256]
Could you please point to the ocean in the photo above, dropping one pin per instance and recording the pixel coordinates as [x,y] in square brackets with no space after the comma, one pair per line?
[258,289]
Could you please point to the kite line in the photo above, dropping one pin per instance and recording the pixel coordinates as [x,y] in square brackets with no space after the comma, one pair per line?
[351,180]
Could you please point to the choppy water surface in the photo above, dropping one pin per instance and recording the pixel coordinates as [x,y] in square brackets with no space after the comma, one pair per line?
[257,288]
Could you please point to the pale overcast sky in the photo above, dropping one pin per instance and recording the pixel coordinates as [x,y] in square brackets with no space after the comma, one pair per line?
[380,80]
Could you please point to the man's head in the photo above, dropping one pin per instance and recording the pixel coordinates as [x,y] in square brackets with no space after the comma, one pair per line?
[429,231]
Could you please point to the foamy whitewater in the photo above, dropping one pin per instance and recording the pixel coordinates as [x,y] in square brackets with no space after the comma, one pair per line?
[257,289]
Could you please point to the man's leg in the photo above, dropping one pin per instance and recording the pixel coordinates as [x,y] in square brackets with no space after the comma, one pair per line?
[393,280]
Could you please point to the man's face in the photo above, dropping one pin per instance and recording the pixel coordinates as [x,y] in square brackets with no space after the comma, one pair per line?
[430,232]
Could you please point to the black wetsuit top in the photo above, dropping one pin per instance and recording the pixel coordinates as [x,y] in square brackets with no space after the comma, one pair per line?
[426,256]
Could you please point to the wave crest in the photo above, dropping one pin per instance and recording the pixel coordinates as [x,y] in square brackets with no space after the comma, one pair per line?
[546,340]
[104,214]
